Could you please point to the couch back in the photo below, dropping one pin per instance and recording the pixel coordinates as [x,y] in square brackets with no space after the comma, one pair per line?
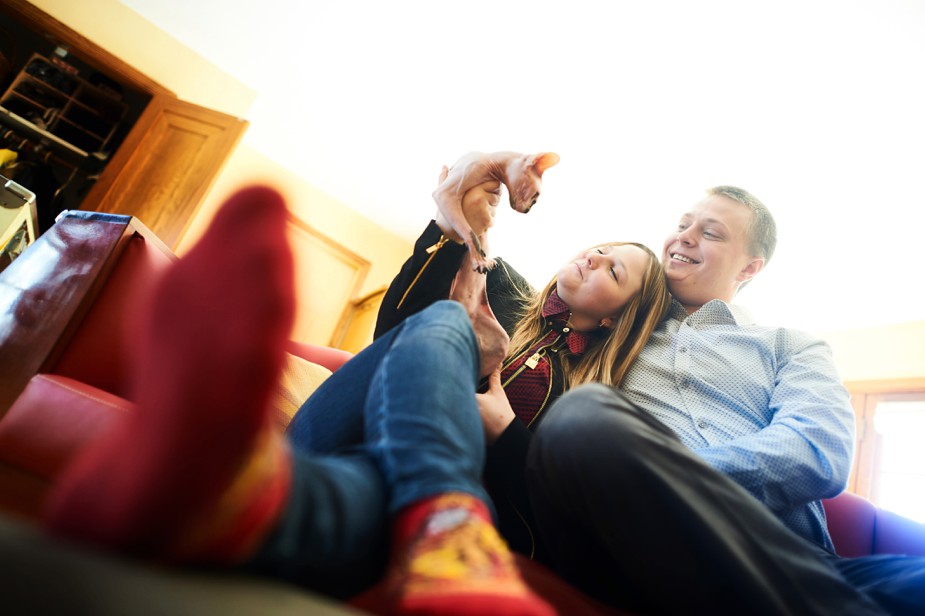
[97,353]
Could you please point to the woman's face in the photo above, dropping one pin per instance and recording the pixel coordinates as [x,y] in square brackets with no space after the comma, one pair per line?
[598,282]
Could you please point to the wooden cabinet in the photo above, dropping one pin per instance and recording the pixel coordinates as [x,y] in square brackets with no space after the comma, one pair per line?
[166,166]
[107,137]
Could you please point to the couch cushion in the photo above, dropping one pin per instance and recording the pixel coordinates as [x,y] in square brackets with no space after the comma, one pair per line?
[53,419]
[298,380]
[43,576]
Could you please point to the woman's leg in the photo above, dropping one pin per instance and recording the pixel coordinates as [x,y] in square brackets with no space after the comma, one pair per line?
[334,533]
[331,420]
[421,411]
[637,520]
[421,427]
[408,399]
[424,432]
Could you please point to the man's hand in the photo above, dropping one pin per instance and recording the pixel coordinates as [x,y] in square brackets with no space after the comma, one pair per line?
[494,408]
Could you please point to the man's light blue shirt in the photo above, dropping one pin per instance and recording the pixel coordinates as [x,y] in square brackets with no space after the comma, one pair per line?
[763,405]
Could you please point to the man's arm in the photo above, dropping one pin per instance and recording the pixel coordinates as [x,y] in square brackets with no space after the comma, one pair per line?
[806,451]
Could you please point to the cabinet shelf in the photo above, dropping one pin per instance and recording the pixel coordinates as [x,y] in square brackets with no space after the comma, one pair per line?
[63,104]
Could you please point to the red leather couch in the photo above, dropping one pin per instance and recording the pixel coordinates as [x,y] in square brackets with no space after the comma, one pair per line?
[64,331]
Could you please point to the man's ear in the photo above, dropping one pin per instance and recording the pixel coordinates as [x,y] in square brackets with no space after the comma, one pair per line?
[750,270]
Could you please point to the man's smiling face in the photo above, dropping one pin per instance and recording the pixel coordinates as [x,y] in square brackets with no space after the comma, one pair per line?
[707,256]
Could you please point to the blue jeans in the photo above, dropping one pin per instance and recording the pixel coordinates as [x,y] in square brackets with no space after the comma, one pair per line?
[395,424]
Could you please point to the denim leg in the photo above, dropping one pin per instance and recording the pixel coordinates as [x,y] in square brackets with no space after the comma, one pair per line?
[397,423]
[422,421]
[895,582]
[331,420]
[333,535]
[408,400]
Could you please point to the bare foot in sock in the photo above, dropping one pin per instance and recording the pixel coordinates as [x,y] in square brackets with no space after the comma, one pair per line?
[209,349]
[449,560]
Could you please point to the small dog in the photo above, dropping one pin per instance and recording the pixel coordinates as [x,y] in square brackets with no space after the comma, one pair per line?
[520,173]
[471,219]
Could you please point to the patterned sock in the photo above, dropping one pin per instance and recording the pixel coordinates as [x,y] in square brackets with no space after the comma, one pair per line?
[196,466]
[449,559]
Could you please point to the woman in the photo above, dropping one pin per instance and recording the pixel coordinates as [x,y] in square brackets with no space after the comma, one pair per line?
[588,324]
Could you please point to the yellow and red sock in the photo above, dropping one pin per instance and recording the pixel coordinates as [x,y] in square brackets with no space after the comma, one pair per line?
[208,350]
[449,559]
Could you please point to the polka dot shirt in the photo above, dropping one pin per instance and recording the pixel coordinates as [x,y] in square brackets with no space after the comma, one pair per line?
[764,405]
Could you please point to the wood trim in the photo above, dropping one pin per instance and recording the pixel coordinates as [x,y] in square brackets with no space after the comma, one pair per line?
[343,253]
[318,255]
[80,46]
[880,386]
[347,336]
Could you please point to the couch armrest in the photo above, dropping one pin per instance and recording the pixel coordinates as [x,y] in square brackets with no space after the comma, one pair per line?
[860,528]
[329,357]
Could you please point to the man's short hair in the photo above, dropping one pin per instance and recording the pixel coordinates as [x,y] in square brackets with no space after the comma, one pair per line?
[762,231]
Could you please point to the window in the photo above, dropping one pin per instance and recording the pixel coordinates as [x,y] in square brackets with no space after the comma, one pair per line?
[890,455]
[899,481]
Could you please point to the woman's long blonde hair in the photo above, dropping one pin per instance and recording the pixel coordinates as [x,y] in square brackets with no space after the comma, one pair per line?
[612,351]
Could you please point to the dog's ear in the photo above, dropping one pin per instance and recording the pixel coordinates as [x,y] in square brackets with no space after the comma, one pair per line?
[542,161]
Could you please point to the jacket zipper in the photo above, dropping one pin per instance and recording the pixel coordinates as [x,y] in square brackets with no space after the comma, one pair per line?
[431,251]
[531,363]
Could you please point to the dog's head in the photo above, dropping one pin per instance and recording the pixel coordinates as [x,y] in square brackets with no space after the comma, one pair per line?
[525,178]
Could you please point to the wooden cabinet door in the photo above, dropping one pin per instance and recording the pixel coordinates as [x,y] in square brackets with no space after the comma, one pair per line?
[166,165]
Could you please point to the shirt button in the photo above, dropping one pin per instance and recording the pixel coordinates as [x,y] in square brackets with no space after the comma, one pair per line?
[701,424]
[683,349]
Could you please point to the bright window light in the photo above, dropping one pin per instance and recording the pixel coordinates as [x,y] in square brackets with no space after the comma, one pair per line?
[900,482]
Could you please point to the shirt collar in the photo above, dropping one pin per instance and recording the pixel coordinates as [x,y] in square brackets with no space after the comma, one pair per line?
[715,309]
[557,315]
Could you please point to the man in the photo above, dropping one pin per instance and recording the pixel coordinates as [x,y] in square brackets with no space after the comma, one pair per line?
[625,485]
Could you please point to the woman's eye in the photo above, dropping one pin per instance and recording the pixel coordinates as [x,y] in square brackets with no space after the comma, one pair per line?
[613,274]
[599,251]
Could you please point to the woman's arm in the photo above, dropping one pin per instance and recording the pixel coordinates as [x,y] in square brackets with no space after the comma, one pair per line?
[423,279]
[428,274]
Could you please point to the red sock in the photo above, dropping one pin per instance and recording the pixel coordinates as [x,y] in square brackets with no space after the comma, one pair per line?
[448,559]
[208,351]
